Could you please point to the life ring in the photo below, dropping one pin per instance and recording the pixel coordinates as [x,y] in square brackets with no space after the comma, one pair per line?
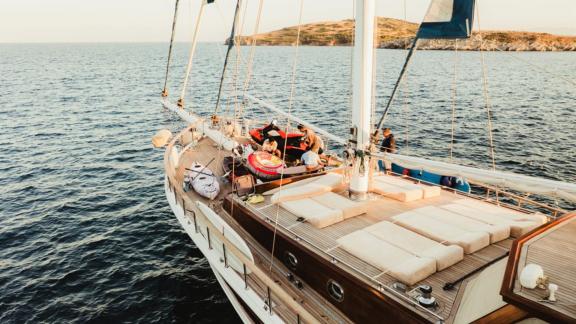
[265,165]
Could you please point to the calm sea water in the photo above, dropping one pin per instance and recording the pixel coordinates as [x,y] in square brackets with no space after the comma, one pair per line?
[85,232]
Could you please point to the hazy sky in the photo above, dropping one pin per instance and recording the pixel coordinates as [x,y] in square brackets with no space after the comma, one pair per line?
[150,20]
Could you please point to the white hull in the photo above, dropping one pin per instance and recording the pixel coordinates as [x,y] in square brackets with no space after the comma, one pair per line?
[231,281]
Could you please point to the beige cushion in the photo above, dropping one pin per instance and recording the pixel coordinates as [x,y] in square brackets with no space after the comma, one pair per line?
[497,232]
[315,213]
[332,180]
[417,244]
[429,191]
[348,207]
[300,192]
[403,266]
[503,211]
[517,227]
[396,192]
[441,232]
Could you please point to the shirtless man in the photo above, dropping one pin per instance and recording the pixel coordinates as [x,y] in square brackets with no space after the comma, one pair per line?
[313,141]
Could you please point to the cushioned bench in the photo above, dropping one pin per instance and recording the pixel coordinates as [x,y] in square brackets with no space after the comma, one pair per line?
[397,193]
[517,227]
[497,232]
[348,207]
[314,212]
[440,231]
[502,211]
[405,267]
[428,191]
[445,255]
[320,185]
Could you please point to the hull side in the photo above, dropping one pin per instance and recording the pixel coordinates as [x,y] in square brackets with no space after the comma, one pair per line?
[230,277]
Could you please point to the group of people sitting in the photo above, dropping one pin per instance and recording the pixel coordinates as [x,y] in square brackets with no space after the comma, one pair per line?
[312,157]
[314,145]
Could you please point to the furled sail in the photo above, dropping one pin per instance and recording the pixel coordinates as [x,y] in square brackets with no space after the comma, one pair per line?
[447,19]
[496,178]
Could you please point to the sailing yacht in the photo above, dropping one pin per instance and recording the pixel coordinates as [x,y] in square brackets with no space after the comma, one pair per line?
[353,242]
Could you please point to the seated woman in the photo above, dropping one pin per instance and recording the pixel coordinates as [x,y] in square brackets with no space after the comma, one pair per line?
[271,146]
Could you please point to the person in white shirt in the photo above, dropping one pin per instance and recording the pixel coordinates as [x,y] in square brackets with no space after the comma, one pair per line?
[311,160]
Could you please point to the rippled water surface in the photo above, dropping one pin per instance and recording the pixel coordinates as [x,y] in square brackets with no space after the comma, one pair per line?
[85,232]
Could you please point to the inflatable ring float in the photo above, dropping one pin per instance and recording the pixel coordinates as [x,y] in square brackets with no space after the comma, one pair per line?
[265,165]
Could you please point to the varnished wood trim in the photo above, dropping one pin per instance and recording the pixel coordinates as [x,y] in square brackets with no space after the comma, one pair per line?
[506,314]
[507,290]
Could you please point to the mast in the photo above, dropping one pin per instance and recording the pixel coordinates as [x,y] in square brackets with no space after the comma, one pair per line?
[362,64]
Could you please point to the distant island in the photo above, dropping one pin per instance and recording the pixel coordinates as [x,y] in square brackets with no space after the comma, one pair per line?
[398,34]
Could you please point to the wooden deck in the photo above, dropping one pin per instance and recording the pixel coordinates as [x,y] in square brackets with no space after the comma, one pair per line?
[555,251]
[381,208]
[324,243]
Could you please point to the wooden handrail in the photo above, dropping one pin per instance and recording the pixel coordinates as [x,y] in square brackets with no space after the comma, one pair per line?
[274,287]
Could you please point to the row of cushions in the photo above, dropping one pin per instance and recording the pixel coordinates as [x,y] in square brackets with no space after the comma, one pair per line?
[445,255]
[402,190]
[402,265]
[440,231]
[318,186]
[401,253]
[325,209]
[519,223]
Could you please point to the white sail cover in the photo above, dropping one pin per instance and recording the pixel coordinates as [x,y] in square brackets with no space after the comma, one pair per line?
[496,178]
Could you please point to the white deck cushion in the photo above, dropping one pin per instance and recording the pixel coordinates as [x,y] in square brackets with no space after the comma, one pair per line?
[445,255]
[405,267]
[332,180]
[429,191]
[497,232]
[441,232]
[314,212]
[397,193]
[300,192]
[318,186]
[517,227]
[348,207]
[503,211]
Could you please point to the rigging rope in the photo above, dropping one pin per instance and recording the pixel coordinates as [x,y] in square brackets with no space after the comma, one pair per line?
[351,85]
[405,107]
[231,43]
[398,82]
[180,102]
[165,91]
[290,100]
[374,53]
[250,62]
[485,90]
[454,78]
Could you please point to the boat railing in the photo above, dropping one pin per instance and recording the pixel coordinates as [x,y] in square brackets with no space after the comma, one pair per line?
[254,278]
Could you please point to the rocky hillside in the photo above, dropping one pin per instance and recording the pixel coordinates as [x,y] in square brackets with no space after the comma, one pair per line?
[394,33]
